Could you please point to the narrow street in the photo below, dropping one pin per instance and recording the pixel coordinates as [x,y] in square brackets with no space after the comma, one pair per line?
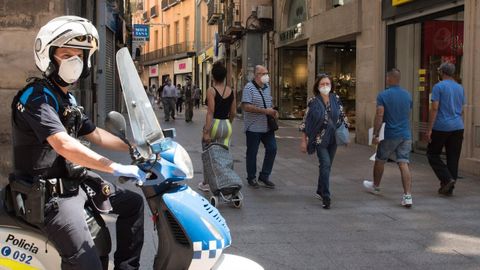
[286,228]
[412,64]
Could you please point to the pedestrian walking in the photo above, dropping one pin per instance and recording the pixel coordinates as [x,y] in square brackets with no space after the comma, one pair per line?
[160,94]
[445,128]
[323,116]
[257,105]
[188,100]
[220,112]
[197,95]
[151,94]
[168,97]
[180,94]
[394,105]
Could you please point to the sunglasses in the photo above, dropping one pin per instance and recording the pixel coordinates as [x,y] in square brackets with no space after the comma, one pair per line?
[322,75]
[83,38]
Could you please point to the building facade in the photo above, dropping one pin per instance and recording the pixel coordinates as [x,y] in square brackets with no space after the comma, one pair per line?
[206,44]
[420,35]
[170,51]
[244,38]
[19,25]
[313,37]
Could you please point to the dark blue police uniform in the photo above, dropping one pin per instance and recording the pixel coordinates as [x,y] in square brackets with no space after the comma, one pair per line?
[37,113]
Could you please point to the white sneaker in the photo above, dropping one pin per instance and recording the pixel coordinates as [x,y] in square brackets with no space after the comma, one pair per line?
[407,200]
[368,185]
[203,187]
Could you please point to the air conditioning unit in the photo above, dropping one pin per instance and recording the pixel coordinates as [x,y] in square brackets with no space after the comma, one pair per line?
[264,12]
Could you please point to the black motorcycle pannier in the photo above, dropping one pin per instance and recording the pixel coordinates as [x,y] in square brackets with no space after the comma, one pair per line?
[28,199]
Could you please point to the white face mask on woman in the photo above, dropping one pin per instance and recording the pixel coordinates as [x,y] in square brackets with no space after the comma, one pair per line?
[324,90]
[70,69]
[265,79]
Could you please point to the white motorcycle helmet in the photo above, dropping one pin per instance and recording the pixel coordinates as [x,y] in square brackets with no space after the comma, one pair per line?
[64,31]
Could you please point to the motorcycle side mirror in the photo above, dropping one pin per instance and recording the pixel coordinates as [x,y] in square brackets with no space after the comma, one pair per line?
[169,133]
[115,123]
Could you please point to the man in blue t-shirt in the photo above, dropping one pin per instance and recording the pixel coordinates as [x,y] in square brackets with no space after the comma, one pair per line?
[393,107]
[445,128]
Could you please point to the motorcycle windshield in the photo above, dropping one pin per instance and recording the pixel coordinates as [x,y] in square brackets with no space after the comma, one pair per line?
[145,127]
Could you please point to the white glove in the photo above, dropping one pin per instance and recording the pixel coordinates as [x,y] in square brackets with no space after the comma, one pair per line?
[131,171]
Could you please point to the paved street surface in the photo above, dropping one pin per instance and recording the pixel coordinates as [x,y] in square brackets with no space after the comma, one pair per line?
[286,228]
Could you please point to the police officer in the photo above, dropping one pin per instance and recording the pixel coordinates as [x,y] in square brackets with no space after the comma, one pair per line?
[45,122]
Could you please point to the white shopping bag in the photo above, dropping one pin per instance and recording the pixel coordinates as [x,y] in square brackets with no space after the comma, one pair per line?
[381,135]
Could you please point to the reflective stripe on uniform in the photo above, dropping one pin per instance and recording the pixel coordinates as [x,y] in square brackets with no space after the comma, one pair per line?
[27,93]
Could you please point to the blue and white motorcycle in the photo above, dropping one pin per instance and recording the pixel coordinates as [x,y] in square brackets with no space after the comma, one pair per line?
[191,232]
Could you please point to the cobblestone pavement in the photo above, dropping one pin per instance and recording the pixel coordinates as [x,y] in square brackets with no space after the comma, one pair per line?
[286,228]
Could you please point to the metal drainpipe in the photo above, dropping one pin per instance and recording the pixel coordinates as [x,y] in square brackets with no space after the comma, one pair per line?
[99,114]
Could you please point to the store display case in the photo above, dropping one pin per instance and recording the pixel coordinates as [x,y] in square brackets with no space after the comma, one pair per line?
[292,98]
[345,87]
[338,60]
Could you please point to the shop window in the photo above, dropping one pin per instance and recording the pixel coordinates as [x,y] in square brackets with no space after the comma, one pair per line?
[293,79]
[338,61]
[420,48]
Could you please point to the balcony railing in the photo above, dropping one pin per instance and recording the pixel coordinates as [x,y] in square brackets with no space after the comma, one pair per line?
[233,24]
[215,12]
[166,4]
[178,48]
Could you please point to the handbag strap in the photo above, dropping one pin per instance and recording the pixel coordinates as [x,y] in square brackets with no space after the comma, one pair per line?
[261,94]
[263,99]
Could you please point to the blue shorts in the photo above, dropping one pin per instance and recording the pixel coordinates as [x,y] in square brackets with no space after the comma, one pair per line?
[400,147]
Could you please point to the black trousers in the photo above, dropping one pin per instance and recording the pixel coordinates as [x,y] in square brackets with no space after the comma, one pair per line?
[188,110]
[66,227]
[179,104]
[452,141]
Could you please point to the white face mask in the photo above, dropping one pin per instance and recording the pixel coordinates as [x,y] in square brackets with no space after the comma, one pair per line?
[70,69]
[324,90]
[265,79]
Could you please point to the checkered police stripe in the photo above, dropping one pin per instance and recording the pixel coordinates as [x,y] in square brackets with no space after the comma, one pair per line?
[211,250]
